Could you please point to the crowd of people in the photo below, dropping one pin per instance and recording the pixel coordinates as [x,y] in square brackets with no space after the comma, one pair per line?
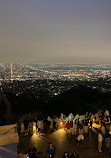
[32,153]
[74,125]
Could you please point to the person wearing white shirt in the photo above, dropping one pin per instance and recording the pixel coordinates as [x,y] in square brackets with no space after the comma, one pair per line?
[80,137]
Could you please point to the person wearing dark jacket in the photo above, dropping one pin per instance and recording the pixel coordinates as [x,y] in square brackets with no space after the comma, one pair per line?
[32,152]
[18,127]
[74,155]
[51,150]
[65,155]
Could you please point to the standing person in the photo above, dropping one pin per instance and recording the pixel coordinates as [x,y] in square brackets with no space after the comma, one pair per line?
[99,113]
[39,126]
[91,119]
[57,122]
[54,123]
[75,127]
[106,113]
[31,128]
[103,130]
[48,118]
[74,155]
[97,118]
[18,127]
[26,123]
[68,126]
[62,116]
[48,124]
[110,127]
[78,123]
[77,118]
[87,117]
[71,117]
[36,124]
[32,152]
[100,139]
[65,155]
[51,150]
[20,155]
[108,145]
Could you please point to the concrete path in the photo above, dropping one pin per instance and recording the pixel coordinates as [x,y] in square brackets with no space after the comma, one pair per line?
[88,149]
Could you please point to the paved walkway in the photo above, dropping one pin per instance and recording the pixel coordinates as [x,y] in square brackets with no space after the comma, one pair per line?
[88,149]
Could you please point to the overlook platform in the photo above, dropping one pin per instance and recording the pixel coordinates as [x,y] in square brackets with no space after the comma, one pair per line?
[59,138]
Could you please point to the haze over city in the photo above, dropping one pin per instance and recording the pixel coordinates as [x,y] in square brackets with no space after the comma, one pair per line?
[58,31]
[55,78]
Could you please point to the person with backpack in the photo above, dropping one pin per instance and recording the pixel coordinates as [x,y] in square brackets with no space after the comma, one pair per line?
[51,150]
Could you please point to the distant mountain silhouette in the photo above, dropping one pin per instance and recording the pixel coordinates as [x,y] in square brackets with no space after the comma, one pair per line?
[79,99]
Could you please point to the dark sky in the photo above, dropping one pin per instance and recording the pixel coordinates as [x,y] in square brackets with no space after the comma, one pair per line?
[55,31]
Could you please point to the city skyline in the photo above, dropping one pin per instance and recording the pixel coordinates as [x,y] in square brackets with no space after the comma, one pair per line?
[55,31]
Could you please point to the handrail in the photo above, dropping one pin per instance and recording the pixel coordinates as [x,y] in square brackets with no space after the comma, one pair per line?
[9,130]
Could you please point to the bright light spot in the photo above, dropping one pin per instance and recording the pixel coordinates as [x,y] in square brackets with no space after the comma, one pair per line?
[34,129]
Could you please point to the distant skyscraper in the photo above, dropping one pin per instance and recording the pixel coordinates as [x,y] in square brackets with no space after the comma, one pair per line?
[11,72]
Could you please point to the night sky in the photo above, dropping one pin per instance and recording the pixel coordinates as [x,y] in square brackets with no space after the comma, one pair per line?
[55,31]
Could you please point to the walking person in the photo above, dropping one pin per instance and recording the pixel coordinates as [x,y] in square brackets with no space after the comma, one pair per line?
[51,150]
